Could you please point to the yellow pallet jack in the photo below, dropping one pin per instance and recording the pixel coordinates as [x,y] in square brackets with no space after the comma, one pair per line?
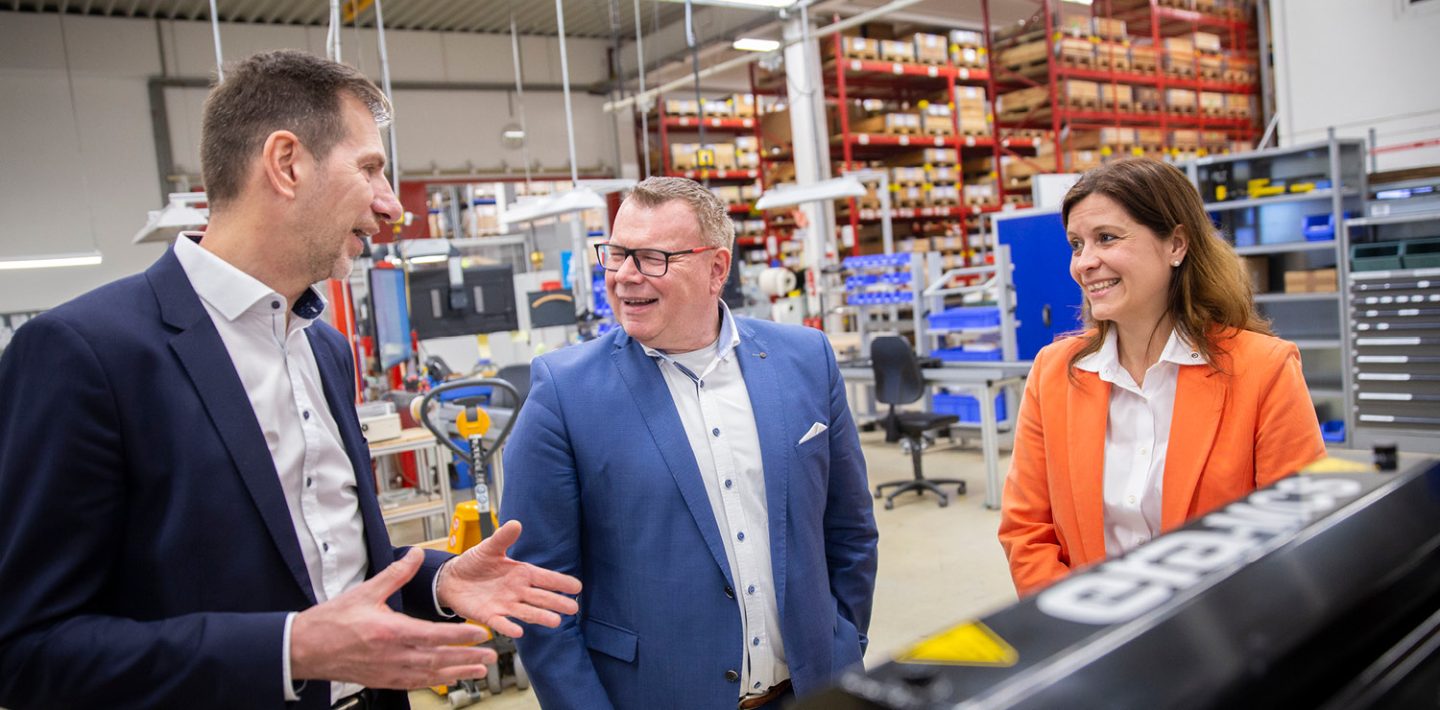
[474,520]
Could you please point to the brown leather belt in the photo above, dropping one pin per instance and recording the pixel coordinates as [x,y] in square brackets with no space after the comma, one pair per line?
[750,702]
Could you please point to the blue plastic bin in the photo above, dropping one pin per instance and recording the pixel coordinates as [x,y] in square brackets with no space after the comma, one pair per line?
[963,355]
[1321,227]
[1333,431]
[965,317]
[967,407]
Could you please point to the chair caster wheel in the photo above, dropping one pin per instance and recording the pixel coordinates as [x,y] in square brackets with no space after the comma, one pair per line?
[878,494]
[961,488]
[889,505]
[944,502]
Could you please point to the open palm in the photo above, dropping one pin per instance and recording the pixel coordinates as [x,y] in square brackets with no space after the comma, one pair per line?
[483,584]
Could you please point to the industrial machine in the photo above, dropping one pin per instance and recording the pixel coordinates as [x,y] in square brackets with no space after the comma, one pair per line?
[458,403]
[1322,590]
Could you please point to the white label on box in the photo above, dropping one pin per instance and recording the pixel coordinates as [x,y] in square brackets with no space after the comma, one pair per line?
[748,123]
[854,65]
[858,43]
[970,141]
[684,122]
[897,68]
[863,139]
[964,74]
[939,141]
[904,140]
[933,71]
[715,122]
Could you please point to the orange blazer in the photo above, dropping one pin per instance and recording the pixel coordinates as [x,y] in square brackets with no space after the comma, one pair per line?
[1245,425]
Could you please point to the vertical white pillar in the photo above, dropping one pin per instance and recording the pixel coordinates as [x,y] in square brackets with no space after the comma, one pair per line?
[805,93]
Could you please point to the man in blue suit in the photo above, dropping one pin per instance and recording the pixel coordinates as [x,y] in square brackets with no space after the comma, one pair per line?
[701,474]
[187,511]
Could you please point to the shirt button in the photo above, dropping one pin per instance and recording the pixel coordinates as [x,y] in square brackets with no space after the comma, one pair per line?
[729,592]
[275,305]
[732,676]
[702,384]
[729,483]
[1144,452]
[750,589]
[715,431]
[741,536]
[309,481]
[755,642]
[757,684]
[325,546]
[1130,500]
[305,414]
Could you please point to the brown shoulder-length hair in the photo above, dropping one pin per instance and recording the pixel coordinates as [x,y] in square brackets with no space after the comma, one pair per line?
[1210,291]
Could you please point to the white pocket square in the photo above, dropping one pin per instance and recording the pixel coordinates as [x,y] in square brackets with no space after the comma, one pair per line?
[816,429]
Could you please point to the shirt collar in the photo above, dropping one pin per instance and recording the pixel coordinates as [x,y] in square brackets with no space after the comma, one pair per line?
[726,343]
[1106,360]
[231,291]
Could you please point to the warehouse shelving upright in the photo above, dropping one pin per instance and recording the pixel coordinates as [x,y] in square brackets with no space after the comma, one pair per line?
[1295,245]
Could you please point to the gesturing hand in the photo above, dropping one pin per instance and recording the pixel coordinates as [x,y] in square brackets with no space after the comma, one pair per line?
[485,585]
[355,637]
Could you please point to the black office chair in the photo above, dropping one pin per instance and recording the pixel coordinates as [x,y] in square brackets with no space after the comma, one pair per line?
[517,375]
[898,381]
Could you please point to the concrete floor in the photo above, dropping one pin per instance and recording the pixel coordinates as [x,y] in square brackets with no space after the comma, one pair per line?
[938,565]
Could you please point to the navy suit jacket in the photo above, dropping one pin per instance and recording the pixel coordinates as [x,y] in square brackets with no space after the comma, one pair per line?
[147,556]
[601,473]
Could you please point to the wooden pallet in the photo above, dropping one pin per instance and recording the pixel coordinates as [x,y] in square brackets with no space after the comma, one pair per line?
[1183,70]
[1081,103]
[1114,105]
[1215,111]
[1189,110]
[1117,62]
[1016,199]
[1078,61]
[975,131]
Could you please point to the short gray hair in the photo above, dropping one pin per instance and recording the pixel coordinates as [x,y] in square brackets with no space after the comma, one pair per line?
[716,227]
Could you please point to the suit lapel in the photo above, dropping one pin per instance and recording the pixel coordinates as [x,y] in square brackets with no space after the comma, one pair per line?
[1087,411]
[206,361]
[775,455]
[1199,399]
[657,407]
[334,378]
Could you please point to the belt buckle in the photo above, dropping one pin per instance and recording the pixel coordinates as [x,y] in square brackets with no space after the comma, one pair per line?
[350,702]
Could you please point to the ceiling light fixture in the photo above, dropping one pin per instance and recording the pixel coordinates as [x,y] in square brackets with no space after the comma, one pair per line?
[50,261]
[755,44]
[791,195]
[181,214]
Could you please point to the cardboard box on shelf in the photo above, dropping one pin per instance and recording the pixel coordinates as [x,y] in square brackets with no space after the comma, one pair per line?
[979,193]
[1017,102]
[1110,29]
[1239,105]
[1185,138]
[935,120]
[1209,66]
[1324,280]
[1081,160]
[968,57]
[943,195]
[1179,45]
[743,105]
[854,48]
[1117,96]
[776,129]
[928,156]
[1073,50]
[681,107]
[1212,103]
[890,123]
[930,49]
[1143,58]
[1205,42]
[747,159]
[897,50]
[729,194]
[907,175]
[1150,137]
[724,156]
[747,143]
[967,38]
[717,108]
[1180,100]
[1147,99]
[1117,136]
[1114,56]
[682,156]
[942,174]
[1023,55]
[1014,167]
[1076,92]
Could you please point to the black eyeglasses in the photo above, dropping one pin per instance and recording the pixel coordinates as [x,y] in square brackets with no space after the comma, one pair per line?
[650,262]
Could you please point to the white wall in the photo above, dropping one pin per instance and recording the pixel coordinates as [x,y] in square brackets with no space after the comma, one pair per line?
[67,193]
[1357,64]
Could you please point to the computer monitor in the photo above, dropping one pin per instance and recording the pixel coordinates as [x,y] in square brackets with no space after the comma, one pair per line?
[390,314]
[483,303]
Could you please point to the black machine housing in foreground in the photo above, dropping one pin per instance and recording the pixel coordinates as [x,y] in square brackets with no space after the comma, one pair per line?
[1320,591]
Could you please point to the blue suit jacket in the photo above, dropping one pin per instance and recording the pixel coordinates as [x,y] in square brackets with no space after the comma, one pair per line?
[600,472]
[147,555]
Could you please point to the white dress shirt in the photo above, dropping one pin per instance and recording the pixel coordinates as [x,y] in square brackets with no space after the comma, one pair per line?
[714,406]
[1137,437]
[278,368]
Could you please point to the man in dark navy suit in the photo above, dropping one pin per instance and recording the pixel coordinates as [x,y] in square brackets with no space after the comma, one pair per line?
[187,512]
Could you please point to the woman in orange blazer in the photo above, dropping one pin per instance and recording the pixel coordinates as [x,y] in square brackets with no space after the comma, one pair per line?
[1175,400]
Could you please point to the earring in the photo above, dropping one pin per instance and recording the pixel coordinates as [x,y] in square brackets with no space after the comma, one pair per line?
[1175,264]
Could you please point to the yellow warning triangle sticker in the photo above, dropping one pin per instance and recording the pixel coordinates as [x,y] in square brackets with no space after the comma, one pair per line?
[969,644]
